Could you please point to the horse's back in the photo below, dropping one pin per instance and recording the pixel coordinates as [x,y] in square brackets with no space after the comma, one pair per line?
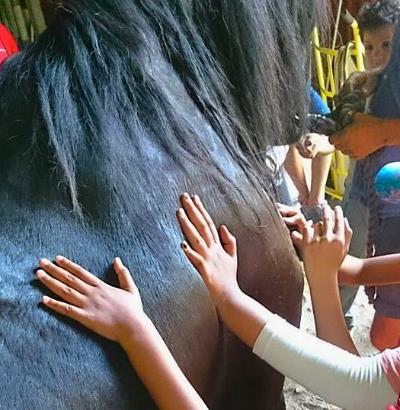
[49,362]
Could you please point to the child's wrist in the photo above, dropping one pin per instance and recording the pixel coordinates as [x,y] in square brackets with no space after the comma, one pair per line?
[231,297]
[323,281]
[136,331]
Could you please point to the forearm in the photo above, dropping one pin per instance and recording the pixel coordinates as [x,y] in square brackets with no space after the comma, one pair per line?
[339,377]
[294,167]
[244,316]
[349,272]
[329,320]
[158,370]
[320,171]
[378,271]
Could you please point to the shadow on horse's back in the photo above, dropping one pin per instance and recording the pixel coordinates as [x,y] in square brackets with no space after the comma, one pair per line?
[94,151]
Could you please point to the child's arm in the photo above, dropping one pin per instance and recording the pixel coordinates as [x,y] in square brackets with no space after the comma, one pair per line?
[117,314]
[214,256]
[293,165]
[336,375]
[324,248]
[320,167]
[378,271]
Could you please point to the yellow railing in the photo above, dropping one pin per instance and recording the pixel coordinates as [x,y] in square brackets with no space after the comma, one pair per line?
[326,66]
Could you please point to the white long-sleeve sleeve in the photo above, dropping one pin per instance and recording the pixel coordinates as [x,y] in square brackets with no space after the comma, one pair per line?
[341,378]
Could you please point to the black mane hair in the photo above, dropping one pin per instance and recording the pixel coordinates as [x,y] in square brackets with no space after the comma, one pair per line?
[243,64]
[119,106]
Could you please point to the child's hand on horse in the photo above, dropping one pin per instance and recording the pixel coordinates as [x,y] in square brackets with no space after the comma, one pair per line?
[325,246]
[292,217]
[111,312]
[296,222]
[210,250]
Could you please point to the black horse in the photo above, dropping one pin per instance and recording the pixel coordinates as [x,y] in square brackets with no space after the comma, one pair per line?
[119,106]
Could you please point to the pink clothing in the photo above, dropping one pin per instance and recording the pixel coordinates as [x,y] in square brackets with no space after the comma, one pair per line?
[390,360]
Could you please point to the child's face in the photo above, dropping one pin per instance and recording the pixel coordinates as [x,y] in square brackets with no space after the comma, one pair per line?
[378,46]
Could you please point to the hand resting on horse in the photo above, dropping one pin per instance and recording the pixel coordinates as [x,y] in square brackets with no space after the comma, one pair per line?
[324,368]
[118,315]
[377,271]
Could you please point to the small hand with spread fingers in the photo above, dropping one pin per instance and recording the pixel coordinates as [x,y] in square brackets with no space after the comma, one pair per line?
[295,221]
[292,217]
[117,314]
[102,308]
[212,252]
[326,244]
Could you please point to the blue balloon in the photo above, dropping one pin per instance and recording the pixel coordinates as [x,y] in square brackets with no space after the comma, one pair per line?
[387,182]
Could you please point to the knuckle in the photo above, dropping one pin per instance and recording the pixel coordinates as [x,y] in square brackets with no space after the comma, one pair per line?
[201,263]
[67,309]
[69,278]
[203,225]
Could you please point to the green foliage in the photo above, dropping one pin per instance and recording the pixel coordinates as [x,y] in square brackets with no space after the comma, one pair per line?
[23,17]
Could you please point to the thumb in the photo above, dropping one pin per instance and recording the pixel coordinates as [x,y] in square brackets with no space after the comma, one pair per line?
[298,221]
[228,241]
[124,277]
[286,210]
[297,239]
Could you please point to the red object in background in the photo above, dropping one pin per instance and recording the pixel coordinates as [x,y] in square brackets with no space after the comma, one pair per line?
[8,44]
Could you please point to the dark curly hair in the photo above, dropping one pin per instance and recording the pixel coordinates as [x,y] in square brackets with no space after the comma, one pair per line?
[378,13]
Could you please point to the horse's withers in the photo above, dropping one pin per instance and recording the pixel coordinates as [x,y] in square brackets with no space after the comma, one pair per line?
[49,362]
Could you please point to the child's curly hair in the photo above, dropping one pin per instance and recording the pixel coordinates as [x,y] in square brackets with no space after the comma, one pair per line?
[378,13]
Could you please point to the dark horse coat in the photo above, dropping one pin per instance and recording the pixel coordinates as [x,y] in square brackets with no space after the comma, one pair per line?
[116,109]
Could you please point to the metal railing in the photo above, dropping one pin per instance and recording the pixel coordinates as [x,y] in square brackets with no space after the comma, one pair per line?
[330,70]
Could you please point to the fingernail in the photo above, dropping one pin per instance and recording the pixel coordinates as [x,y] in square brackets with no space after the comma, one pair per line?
[44,262]
[184,245]
[181,212]
[60,258]
[39,274]
[196,198]
[186,195]
[45,299]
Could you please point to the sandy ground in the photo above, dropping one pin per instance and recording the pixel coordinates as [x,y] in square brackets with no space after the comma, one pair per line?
[299,398]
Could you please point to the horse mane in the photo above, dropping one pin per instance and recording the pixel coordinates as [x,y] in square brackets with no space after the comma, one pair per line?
[244,64]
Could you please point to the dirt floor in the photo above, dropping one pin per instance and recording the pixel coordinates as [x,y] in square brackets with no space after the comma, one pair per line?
[299,398]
